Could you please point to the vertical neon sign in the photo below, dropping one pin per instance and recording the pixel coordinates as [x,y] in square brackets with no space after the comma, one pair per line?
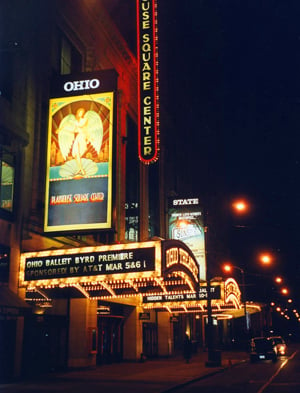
[147,54]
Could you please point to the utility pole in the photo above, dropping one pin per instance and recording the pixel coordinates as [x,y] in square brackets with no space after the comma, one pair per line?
[213,356]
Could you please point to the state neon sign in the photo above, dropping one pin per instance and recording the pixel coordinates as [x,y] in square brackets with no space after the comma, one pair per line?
[147,81]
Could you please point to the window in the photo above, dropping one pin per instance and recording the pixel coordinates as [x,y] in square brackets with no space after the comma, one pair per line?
[6,60]
[65,57]
[4,263]
[132,222]
[7,181]
[132,184]
[8,47]
[70,58]
[154,200]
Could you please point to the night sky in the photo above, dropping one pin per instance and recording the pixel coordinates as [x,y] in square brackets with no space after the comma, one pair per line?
[230,79]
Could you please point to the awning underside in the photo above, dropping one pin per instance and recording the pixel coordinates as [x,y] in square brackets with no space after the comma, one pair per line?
[107,289]
[10,300]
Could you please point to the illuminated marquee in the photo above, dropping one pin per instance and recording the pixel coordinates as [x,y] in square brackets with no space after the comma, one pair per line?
[177,255]
[232,292]
[91,263]
[79,161]
[147,81]
[215,293]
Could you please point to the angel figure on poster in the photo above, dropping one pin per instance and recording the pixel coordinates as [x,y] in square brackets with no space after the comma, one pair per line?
[75,133]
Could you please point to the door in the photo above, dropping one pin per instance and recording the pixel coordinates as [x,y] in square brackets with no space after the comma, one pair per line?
[110,339]
[150,347]
[7,349]
[45,344]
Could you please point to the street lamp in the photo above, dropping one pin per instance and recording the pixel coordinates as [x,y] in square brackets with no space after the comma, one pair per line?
[278,280]
[266,259]
[240,206]
[228,268]
[213,356]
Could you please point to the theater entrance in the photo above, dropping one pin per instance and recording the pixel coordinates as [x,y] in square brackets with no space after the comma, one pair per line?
[110,339]
[150,345]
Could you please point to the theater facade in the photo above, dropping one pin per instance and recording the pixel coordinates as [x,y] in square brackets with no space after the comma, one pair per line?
[89,272]
[124,301]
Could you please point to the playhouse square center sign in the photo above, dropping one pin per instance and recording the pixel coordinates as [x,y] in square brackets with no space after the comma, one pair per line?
[147,81]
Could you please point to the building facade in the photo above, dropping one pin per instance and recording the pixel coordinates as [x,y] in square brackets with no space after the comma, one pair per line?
[39,42]
[81,286]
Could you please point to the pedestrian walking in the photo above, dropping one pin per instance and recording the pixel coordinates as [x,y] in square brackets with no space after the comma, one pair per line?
[187,348]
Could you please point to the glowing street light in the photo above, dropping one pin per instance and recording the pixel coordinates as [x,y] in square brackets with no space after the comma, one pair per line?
[240,206]
[227,268]
[278,280]
[266,259]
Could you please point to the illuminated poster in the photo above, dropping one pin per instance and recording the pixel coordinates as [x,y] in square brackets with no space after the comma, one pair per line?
[79,160]
[7,176]
[186,224]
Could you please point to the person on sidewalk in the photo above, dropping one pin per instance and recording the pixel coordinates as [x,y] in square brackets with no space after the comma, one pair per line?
[187,348]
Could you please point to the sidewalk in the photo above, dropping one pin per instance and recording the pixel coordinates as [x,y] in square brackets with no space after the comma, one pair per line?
[151,376]
[169,373]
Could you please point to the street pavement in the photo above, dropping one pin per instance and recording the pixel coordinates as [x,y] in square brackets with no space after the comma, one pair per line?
[151,376]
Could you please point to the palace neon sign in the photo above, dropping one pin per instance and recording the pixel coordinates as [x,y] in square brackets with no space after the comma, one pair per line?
[147,81]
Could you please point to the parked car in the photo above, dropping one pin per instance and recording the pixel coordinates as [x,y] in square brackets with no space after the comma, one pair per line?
[280,345]
[262,348]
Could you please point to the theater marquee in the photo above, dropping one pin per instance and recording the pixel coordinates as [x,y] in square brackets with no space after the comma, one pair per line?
[79,161]
[91,264]
[215,293]
[147,81]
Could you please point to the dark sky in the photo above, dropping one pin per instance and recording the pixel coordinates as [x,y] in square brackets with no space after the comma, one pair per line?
[231,72]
